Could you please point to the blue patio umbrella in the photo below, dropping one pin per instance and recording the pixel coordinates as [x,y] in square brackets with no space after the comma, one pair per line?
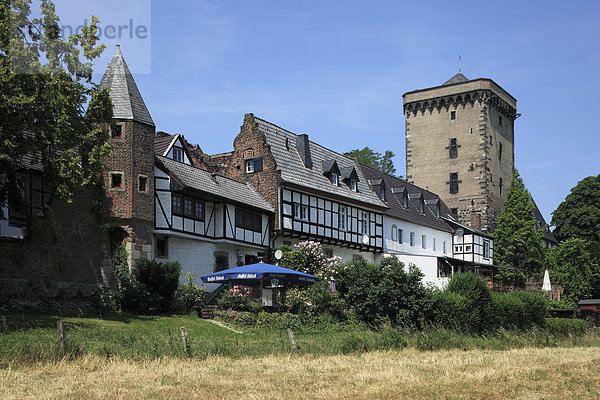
[254,274]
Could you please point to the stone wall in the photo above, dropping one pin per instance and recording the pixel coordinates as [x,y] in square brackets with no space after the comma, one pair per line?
[64,259]
[481,124]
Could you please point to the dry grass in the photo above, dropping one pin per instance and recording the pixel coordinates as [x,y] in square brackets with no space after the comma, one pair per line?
[547,373]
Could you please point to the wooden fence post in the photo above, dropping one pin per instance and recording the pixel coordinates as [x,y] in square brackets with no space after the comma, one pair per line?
[60,329]
[292,340]
[184,336]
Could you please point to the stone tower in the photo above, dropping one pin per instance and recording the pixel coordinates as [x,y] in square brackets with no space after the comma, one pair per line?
[460,145]
[130,175]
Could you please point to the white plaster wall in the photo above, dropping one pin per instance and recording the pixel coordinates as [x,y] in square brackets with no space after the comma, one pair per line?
[199,256]
[393,247]
[428,266]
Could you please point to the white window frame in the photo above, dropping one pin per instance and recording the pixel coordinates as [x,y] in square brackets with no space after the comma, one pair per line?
[342,218]
[335,179]
[365,223]
[250,166]
[353,185]
[412,239]
[178,151]
[424,241]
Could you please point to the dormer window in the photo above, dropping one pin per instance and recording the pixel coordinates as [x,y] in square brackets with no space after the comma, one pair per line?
[350,177]
[379,188]
[178,154]
[434,206]
[331,171]
[417,199]
[401,195]
[335,179]
[353,185]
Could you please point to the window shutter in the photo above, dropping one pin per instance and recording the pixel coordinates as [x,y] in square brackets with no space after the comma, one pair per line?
[258,164]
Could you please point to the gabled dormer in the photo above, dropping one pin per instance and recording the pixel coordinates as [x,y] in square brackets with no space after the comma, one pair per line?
[401,194]
[417,199]
[177,150]
[379,188]
[331,171]
[350,178]
[434,206]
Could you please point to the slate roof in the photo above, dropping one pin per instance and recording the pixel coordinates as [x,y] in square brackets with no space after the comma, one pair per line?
[537,214]
[127,100]
[294,172]
[410,214]
[162,141]
[458,78]
[197,179]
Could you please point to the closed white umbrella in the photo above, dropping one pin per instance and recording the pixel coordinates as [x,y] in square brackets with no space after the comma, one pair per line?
[546,286]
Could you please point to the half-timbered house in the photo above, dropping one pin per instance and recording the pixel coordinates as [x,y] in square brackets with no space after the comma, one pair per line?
[317,194]
[205,221]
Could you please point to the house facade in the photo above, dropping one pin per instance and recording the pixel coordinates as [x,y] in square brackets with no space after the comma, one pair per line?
[316,193]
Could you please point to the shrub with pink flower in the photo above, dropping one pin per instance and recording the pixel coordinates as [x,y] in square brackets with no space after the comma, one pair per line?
[309,258]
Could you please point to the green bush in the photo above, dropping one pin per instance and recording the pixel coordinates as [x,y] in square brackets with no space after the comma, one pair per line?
[455,311]
[149,289]
[190,295]
[385,293]
[565,326]
[479,301]
[509,311]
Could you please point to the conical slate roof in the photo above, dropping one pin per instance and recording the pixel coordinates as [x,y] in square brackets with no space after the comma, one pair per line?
[124,93]
[458,78]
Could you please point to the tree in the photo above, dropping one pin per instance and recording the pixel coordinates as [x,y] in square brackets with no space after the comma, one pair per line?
[572,266]
[517,244]
[578,216]
[45,90]
[373,159]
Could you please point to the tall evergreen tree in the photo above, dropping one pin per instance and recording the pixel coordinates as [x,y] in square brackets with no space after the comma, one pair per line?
[516,242]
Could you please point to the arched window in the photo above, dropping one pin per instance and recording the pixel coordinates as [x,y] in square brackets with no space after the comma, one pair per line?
[394,232]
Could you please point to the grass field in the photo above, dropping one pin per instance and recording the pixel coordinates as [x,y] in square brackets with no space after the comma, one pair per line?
[124,356]
[529,373]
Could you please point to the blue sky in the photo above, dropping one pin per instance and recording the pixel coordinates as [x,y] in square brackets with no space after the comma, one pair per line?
[337,70]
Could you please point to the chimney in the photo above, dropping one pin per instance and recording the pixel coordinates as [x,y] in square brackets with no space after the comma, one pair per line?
[303,147]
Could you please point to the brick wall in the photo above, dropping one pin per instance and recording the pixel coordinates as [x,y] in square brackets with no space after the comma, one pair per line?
[265,182]
[63,261]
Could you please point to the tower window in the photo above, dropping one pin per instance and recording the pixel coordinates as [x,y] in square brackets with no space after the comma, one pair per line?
[452,115]
[500,120]
[116,132]
[453,182]
[116,180]
[501,184]
[453,148]
[499,151]
[143,183]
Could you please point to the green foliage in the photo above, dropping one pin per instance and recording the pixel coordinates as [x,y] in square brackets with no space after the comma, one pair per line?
[478,301]
[572,266]
[315,300]
[519,309]
[375,160]
[517,244]
[384,293]
[454,311]
[566,326]
[45,89]
[578,216]
[150,289]
[191,295]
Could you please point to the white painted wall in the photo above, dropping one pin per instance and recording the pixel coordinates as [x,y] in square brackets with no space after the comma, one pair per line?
[394,247]
[199,255]
[428,266]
